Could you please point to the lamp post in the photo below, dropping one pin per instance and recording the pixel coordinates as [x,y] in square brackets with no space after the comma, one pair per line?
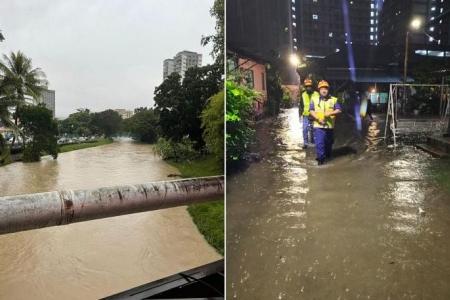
[414,25]
[294,60]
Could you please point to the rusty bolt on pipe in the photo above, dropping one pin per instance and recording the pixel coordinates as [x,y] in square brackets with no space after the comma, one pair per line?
[31,211]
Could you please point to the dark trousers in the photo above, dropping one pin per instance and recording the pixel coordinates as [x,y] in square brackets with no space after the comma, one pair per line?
[324,142]
[308,135]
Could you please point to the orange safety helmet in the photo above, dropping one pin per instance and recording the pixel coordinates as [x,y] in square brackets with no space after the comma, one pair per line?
[323,84]
[308,82]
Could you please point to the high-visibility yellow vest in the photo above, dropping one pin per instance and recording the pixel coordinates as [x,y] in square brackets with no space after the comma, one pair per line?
[306,98]
[322,106]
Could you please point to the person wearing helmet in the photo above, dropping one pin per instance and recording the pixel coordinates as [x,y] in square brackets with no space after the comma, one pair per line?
[304,103]
[323,109]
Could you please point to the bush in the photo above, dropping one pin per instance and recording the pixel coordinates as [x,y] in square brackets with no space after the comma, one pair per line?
[274,91]
[238,117]
[213,125]
[176,151]
[287,101]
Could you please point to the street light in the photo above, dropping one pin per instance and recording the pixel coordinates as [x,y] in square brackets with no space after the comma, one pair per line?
[294,60]
[415,25]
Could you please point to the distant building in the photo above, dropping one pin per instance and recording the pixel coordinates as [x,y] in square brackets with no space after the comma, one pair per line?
[323,27]
[48,98]
[181,63]
[262,29]
[433,39]
[124,113]
[168,67]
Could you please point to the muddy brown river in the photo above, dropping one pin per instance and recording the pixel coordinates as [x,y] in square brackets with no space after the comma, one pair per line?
[98,258]
[371,224]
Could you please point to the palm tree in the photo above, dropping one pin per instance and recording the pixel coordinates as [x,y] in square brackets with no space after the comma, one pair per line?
[18,81]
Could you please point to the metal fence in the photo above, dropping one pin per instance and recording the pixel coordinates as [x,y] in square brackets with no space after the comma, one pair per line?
[417,109]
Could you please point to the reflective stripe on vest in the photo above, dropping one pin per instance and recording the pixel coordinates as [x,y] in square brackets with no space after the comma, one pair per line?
[307,101]
[322,106]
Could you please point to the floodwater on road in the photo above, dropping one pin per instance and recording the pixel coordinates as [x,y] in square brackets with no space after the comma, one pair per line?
[94,259]
[370,224]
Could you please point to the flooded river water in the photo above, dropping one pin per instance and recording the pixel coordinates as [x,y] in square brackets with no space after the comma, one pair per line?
[98,258]
[371,224]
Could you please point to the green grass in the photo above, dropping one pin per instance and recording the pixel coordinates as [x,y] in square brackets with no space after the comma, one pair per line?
[209,217]
[442,174]
[72,147]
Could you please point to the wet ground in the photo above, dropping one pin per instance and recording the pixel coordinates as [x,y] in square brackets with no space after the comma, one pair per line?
[371,224]
[95,259]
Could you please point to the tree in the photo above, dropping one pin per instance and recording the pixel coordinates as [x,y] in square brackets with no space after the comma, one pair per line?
[180,105]
[169,106]
[274,90]
[19,81]
[199,85]
[107,122]
[218,40]
[38,125]
[143,125]
[78,123]
[213,124]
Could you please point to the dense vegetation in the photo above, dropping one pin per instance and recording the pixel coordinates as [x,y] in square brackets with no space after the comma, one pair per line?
[213,125]
[180,103]
[20,84]
[40,129]
[86,123]
[239,118]
[143,125]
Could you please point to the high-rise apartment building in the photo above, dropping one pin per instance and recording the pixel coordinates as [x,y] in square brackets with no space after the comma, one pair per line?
[48,98]
[168,67]
[322,27]
[181,63]
[433,38]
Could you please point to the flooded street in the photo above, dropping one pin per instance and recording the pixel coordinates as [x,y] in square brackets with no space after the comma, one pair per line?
[371,224]
[98,258]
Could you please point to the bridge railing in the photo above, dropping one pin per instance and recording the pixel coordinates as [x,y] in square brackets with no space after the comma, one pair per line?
[32,211]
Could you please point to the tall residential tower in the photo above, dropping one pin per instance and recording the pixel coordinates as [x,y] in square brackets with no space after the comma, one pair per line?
[432,39]
[321,27]
[181,63]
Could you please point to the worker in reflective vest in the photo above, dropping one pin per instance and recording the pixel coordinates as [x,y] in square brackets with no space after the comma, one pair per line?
[323,109]
[304,103]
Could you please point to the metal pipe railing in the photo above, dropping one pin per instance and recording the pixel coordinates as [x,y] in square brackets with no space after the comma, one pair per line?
[31,211]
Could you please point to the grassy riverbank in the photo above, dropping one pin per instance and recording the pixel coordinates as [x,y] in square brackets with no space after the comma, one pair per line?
[209,217]
[78,146]
[442,174]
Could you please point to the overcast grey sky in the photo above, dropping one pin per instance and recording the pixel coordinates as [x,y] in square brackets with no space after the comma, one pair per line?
[104,54]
